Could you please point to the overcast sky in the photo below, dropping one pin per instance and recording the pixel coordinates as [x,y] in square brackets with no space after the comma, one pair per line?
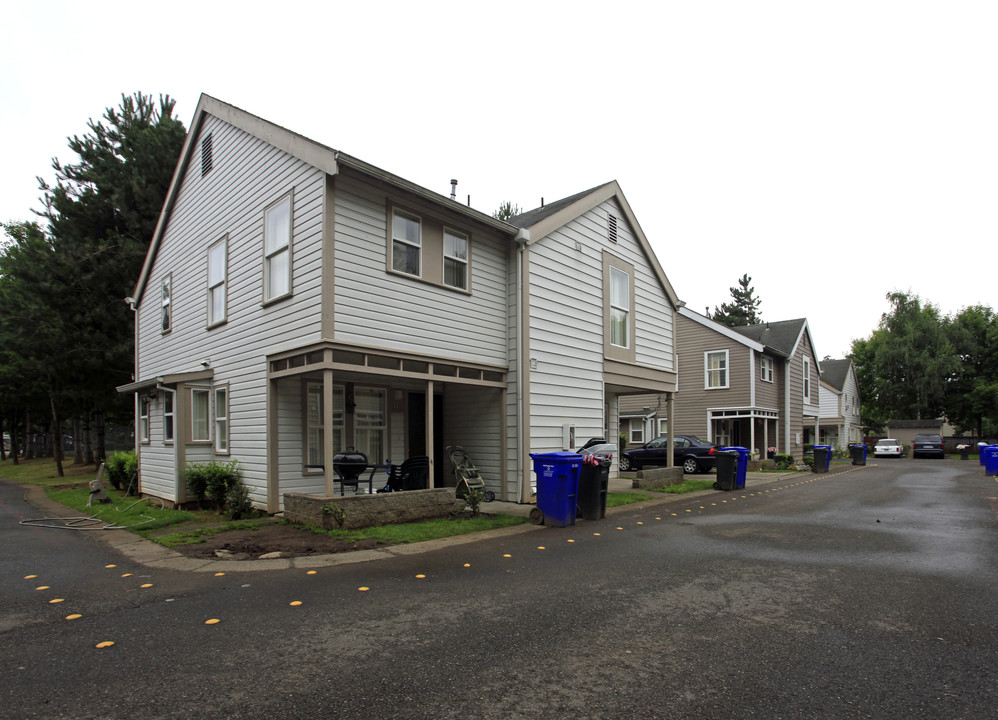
[833,151]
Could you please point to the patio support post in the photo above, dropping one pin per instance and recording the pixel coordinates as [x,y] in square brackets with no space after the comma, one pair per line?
[431,479]
[327,437]
[670,410]
[752,431]
[273,452]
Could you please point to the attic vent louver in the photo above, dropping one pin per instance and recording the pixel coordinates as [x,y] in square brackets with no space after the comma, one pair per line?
[611,227]
[206,155]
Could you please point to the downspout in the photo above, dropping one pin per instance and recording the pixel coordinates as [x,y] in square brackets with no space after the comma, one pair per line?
[522,366]
[786,407]
[133,306]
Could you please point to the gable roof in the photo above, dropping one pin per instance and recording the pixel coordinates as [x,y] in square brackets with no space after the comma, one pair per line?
[316,154]
[835,372]
[544,220]
[782,337]
[720,329]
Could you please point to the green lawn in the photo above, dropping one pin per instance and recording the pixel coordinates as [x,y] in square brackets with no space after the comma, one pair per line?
[42,472]
[129,513]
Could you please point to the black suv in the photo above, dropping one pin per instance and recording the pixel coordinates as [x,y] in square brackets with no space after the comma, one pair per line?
[927,445]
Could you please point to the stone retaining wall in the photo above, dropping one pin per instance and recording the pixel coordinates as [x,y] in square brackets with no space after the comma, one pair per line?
[657,477]
[353,512]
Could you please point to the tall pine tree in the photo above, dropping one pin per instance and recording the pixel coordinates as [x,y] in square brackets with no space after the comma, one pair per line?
[744,310]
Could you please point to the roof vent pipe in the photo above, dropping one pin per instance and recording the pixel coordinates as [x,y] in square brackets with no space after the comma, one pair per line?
[453,189]
[542,202]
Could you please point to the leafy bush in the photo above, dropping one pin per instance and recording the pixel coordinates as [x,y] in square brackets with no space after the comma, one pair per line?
[120,465]
[784,461]
[473,500]
[212,480]
[809,460]
[237,500]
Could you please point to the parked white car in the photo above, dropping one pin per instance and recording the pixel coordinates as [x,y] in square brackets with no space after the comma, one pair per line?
[888,447]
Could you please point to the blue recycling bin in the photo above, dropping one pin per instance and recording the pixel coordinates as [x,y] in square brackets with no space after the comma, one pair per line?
[742,467]
[557,486]
[858,454]
[981,448]
[991,460]
[822,458]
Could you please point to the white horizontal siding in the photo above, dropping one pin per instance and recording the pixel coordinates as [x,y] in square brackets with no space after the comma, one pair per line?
[375,307]
[474,422]
[248,175]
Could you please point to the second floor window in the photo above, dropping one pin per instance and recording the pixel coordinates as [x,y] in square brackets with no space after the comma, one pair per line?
[455,259]
[807,380]
[216,283]
[716,369]
[406,243]
[766,369]
[277,250]
[165,300]
[620,299]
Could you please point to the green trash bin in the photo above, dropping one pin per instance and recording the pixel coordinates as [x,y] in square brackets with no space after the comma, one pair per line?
[727,470]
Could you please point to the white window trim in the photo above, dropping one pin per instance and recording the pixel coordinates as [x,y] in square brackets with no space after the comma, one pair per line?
[636,432]
[766,368]
[144,424]
[207,420]
[166,300]
[222,283]
[221,415]
[285,248]
[807,380]
[169,417]
[707,370]
[404,241]
[663,426]
[619,272]
[463,261]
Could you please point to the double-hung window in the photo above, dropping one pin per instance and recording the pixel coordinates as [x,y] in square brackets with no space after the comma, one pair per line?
[217,271]
[715,369]
[766,369]
[637,432]
[168,416]
[144,419]
[807,380]
[200,416]
[406,243]
[277,250]
[315,423]
[222,419]
[165,300]
[620,307]
[455,259]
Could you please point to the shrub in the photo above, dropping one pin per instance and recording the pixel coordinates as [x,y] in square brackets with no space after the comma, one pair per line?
[212,480]
[809,460]
[120,466]
[237,500]
[784,461]
[473,500]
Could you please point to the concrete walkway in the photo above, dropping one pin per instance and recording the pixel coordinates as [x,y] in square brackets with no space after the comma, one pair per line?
[152,554]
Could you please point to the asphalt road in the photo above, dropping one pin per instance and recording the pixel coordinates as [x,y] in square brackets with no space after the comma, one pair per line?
[864,593]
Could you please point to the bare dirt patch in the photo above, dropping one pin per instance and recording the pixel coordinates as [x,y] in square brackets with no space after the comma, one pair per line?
[268,538]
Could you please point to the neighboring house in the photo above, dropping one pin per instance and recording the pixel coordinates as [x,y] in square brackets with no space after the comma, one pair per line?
[754,386]
[906,430]
[296,301]
[839,424]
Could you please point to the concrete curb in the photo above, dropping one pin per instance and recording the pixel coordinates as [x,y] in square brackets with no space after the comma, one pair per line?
[152,554]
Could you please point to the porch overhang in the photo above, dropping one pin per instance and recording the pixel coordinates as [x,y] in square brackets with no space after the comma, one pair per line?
[173,379]
[737,413]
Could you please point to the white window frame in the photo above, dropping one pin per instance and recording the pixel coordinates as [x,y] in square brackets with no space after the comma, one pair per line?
[807,380]
[461,264]
[201,427]
[766,368]
[169,416]
[620,314]
[275,247]
[166,299]
[220,397]
[663,426]
[218,273]
[708,370]
[361,440]
[407,243]
[636,432]
[144,424]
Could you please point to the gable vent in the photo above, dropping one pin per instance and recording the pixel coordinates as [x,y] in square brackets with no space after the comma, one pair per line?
[611,227]
[206,155]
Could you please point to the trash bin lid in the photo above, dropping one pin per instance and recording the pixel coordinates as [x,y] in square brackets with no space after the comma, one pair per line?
[560,456]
